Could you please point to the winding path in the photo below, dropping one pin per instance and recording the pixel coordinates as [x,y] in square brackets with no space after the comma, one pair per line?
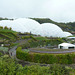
[68,51]
[12,52]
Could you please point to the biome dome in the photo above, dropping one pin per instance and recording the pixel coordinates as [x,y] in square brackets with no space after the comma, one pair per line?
[65,34]
[16,26]
[21,24]
[51,30]
[29,25]
[48,29]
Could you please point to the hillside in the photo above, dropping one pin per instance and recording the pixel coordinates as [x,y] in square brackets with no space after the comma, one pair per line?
[5,18]
[65,26]
[7,34]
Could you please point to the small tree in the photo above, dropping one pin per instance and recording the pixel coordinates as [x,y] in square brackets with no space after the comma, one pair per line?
[1,27]
[10,28]
[5,27]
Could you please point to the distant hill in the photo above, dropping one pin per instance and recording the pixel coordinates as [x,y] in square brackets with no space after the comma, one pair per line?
[70,27]
[5,18]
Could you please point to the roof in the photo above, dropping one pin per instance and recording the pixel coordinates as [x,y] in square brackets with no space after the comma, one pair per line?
[66,44]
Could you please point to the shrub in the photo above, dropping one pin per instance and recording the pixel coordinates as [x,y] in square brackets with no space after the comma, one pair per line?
[1,27]
[10,28]
[6,27]
[25,46]
[1,54]
[57,69]
[46,58]
[25,37]
[37,58]
[21,54]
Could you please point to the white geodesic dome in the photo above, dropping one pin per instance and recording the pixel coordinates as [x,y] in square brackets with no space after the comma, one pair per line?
[29,25]
[21,24]
[51,30]
[16,26]
[65,34]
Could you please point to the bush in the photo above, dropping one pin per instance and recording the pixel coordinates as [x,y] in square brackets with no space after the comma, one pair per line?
[21,54]
[1,54]
[25,37]
[37,58]
[57,69]
[1,27]
[11,67]
[25,46]
[26,50]
[46,58]
[6,27]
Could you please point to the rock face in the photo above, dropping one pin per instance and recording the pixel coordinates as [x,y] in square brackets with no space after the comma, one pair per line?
[29,25]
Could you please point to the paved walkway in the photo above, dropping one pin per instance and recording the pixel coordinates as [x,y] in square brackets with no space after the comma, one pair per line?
[12,52]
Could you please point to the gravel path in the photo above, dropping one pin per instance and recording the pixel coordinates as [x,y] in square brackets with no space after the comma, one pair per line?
[68,51]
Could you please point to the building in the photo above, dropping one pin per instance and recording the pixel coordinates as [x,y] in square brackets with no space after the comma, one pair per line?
[66,46]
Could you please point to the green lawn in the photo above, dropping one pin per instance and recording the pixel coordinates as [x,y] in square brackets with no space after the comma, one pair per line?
[7,34]
[7,30]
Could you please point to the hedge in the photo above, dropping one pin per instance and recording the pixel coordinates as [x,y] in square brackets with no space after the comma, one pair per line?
[45,58]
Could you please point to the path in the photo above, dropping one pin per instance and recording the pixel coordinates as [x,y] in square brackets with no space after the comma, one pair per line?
[68,51]
[12,52]
[23,63]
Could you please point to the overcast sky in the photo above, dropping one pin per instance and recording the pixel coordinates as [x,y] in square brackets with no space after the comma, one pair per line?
[57,10]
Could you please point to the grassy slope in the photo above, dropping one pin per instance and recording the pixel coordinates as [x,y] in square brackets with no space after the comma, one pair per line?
[41,38]
[7,34]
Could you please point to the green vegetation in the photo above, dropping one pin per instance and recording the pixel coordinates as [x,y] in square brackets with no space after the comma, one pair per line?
[7,35]
[41,38]
[26,50]
[45,58]
[25,37]
[5,49]
[39,42]
[29,37]
[5,18]
[1,54]
[11,67]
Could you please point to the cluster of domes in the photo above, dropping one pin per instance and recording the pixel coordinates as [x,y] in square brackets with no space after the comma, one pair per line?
[29,25]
